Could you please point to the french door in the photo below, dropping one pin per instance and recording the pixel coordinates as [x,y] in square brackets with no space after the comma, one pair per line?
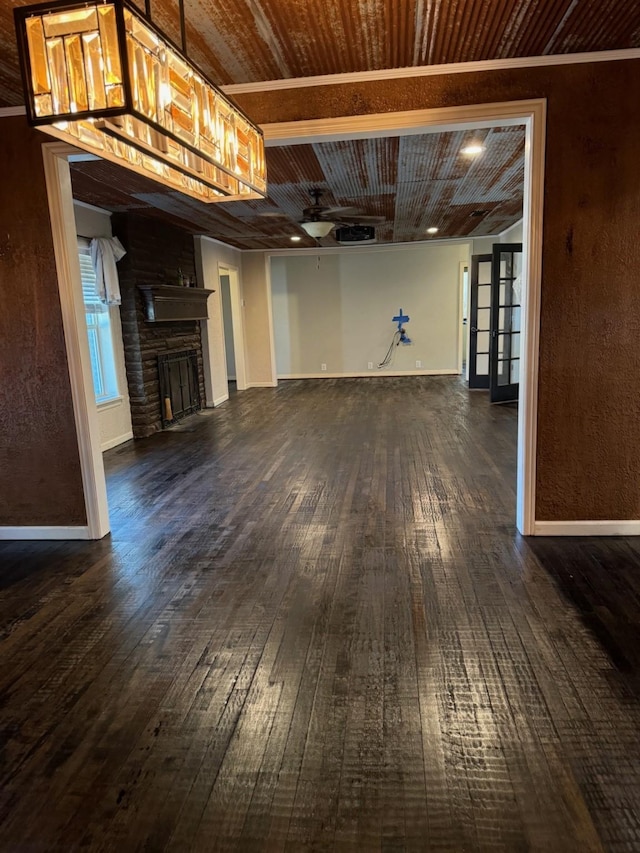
[504,359]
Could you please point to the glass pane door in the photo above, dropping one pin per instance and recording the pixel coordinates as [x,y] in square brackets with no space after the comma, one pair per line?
[505,322]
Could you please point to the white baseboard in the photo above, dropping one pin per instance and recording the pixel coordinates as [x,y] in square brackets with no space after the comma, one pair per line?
[625,527]
[369,373]
[262,385]
[114,442]
[222,399]
[44,533]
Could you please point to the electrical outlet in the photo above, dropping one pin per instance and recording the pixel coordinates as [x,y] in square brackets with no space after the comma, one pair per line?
[323,367]
[370,365]
[418,363]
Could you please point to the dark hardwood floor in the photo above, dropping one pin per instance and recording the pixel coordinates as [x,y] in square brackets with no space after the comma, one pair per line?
[315,628]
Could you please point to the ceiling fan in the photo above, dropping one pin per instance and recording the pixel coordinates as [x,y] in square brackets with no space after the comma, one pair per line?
[319,220]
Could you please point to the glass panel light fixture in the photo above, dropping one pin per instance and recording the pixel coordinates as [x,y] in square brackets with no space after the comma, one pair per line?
[318,227]
[101,76]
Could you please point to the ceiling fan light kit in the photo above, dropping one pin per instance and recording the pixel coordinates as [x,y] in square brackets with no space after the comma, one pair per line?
[318,228]
[102,77]
[319,220]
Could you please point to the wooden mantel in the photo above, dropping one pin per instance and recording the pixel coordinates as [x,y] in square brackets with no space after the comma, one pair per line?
[166,302]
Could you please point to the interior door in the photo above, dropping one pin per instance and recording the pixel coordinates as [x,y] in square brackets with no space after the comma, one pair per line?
[504,361]
[480,320]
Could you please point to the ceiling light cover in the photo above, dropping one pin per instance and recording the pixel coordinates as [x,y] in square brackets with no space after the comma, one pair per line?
[432,230]
[317,229]
[472,150]
[100,76]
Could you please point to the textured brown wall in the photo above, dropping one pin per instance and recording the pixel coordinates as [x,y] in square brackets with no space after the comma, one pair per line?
[589,405]
[40,480]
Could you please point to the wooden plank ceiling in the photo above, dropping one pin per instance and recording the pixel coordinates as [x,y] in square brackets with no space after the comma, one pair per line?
[239,41]
[413,181]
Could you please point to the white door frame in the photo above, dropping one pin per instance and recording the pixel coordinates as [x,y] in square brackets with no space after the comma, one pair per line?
[65,243]
[463,331]
[531,114]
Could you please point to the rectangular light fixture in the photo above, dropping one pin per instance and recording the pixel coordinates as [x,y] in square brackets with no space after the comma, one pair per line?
[101,76]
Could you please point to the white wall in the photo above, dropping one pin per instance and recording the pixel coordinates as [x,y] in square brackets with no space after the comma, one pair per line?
[114,417]
[484,245]
[513,234]
[338,310]
[92,221]
[258,320]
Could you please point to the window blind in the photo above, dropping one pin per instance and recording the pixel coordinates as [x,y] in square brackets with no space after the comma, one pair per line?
[87,273]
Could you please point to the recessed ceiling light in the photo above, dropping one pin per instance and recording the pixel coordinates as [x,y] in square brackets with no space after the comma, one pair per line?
[432,230]
[473,149]
[296,239]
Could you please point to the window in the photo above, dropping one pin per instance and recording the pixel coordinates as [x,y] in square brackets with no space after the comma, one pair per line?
[103,366]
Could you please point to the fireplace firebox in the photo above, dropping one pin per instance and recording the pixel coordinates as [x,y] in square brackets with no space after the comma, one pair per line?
[179,394]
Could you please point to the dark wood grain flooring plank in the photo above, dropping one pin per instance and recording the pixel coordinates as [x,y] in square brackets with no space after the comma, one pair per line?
[314,627]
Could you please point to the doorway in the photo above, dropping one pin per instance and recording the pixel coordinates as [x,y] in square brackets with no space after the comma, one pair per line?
[233,328]
[227,324]
[529,113]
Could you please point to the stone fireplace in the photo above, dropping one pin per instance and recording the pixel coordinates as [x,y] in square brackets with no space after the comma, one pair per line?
[157,253]
[179,391]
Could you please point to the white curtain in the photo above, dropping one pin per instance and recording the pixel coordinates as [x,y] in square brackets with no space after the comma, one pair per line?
[517,289]
[105,252]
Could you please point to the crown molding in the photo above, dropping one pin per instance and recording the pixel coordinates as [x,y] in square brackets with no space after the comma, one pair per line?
[411,71]
[403,123]
[355,249]
[219,242]
[93,207]
[431,71]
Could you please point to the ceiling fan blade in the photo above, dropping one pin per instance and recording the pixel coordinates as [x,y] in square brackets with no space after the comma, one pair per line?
[357,220]
[334,211]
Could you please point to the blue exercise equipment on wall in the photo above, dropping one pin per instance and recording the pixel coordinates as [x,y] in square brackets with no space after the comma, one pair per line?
[400,319]
[399,337]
